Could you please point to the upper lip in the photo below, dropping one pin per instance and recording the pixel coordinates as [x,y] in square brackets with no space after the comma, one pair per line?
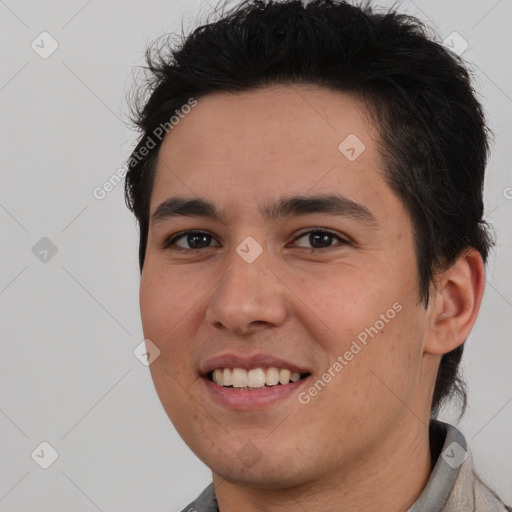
[249,362]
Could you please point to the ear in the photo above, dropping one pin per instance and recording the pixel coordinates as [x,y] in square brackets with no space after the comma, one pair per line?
[456,300]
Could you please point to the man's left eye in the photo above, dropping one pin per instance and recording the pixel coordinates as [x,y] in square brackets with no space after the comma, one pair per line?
[319,239]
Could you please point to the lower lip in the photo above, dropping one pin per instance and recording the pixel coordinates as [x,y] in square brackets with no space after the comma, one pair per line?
[261,398]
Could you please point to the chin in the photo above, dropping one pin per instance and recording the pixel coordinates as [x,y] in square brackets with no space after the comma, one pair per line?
[265,475]
[276,469]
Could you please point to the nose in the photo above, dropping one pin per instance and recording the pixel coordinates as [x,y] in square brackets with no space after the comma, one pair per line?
[248,297]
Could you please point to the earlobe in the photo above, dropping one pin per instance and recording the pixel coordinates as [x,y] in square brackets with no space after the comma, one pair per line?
[455,303]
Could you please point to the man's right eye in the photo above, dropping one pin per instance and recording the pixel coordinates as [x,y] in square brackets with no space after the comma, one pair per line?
[191,240]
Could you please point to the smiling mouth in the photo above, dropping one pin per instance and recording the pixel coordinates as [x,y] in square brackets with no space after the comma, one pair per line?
[256,378]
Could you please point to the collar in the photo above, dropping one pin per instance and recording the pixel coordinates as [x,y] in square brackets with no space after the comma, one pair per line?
[449,450]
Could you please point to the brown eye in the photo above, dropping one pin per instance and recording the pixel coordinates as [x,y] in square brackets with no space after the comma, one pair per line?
[319,239]
[190,240]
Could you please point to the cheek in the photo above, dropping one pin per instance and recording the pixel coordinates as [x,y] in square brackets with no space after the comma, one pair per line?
[373,324]
[165,302]
[167,312]
[165,296]
[341,303]
[390,361]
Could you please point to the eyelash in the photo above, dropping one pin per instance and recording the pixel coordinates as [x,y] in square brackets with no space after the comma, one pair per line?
[169,242]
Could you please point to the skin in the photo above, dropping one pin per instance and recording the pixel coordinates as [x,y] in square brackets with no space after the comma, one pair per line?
[362,442]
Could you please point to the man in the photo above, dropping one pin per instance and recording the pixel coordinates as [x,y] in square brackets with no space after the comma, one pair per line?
[309,193]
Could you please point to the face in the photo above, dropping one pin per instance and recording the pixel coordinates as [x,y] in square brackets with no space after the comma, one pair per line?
[253,287]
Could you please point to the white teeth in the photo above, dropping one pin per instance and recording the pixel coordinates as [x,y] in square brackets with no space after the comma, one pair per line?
[227,377]
[255,378]
[272,376]
[284,376]
[240,378]
[217,376]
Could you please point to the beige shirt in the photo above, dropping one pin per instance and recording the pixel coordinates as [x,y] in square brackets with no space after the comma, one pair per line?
[453,485]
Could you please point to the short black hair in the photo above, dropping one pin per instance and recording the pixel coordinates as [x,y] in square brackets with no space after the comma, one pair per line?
[434,136]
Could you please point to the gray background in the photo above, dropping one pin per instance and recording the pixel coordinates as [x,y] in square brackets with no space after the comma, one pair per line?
[70,324]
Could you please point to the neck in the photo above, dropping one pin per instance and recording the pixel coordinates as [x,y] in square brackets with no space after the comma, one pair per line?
[389,479]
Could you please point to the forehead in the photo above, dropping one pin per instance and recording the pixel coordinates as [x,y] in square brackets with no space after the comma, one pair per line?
[288,137]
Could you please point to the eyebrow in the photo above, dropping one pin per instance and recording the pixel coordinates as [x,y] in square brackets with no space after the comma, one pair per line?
[330,204]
